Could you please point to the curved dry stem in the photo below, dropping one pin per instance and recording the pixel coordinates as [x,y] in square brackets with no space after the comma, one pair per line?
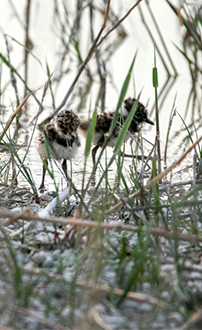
[14,114]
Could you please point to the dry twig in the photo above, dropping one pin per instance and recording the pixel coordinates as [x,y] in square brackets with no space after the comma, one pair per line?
[14,115]
[94,313]
[195,318]
[92,224]
[142,298]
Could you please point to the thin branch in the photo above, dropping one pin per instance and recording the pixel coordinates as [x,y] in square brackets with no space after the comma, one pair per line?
[119,22]
[15,113]
[82,67]
[195,318]
[93,224]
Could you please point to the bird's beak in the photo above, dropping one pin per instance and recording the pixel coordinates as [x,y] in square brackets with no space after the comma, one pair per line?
[148,121]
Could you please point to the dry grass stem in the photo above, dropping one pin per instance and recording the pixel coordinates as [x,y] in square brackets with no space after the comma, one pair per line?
[119,22]
[142,298]
[93,224]
[94,313]
[14,114]
[194,320]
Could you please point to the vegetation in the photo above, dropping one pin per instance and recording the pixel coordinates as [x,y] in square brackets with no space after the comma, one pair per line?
[124,253]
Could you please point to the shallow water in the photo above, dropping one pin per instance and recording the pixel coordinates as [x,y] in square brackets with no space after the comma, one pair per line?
[45,31]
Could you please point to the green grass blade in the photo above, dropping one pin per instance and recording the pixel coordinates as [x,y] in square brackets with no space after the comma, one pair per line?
[188,59]
[155,77]
[125,127]
[76,47]
[122,95]
[90,134]
[187,129]
[5,61]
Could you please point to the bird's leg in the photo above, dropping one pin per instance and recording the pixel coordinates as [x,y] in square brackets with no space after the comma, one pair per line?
[94,150]
[64,167]
[42,186]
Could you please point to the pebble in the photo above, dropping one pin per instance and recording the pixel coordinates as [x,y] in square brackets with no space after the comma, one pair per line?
[195,276]
[65,312]
[160,318]
[14,226]
[39,226]
[133,325]
[114,321]
[110,277]
[39,258]
[159,325]
[79,315]
[100,308]
[167,267]
[144,307]
[49,228]
[147,286]
[165,295]
[48,261]
[68,253]
[34,207]
[44,238]
[69,274]
[176,317]
[29,264]
[56,254]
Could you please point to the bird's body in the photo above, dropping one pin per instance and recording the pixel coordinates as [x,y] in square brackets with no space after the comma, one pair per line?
[104,120]
[62,139]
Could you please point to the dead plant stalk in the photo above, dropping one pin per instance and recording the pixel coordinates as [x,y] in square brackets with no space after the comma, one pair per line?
[27,215]
[14,115]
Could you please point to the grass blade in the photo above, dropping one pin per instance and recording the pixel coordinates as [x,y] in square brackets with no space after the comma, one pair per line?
[125,127]
[122,95]
[90,134]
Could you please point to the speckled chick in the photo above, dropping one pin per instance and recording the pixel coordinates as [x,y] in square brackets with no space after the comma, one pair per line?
[104,120]
[62,138]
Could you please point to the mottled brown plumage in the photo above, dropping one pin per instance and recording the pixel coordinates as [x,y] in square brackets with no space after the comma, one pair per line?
[62,139]
[67,122]
[104,120]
